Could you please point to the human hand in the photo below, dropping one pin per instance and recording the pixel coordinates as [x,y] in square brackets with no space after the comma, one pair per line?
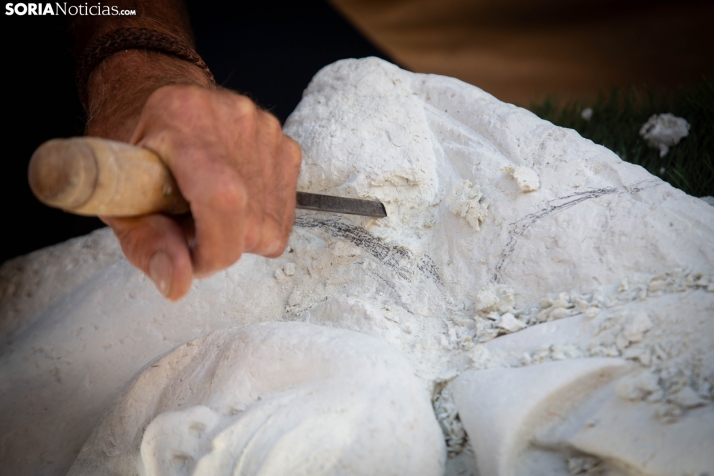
[234,166]
[236,169]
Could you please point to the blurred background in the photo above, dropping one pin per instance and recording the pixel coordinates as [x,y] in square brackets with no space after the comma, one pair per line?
[522,51]
[624,59]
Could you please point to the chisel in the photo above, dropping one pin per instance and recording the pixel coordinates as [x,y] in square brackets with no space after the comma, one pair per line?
[93,176]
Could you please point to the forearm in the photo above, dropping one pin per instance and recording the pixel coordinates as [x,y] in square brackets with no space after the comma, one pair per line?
[229,158]
[119,86]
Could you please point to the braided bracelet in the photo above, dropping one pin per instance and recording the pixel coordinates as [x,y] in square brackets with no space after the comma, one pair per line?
[132,38]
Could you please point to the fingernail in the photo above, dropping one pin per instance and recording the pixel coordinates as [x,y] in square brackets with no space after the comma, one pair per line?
[160,272]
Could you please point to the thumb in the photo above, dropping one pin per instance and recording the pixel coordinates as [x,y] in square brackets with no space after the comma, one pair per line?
[156,245]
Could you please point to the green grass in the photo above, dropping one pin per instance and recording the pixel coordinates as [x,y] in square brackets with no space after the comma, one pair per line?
[619,115]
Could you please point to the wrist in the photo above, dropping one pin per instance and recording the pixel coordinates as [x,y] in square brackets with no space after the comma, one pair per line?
[119,87]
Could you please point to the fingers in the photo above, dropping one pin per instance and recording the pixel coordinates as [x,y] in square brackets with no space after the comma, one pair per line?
[235,167]
[282,165]
[218,204]
[280,199]
[157,245]
[207,140]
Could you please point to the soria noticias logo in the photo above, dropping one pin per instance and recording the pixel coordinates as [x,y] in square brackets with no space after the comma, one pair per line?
[57,8]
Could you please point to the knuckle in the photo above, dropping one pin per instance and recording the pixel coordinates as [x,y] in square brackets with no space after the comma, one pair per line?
[179,107]
[244,107]
[272,123]
[182,100]
[294,152]
[175,96]
[228,196]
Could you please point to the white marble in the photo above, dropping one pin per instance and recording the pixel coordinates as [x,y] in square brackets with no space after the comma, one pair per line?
[512,247]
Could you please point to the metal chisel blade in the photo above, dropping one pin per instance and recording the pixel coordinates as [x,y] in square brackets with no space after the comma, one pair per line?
[350,206]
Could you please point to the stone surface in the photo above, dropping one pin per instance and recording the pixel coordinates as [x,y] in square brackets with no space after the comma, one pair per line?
[575,262]
[275,398]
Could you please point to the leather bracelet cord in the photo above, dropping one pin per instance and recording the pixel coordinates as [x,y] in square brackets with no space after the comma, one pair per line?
[132,38]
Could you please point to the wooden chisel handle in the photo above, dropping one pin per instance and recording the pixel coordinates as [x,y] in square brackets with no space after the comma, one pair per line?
[92,176]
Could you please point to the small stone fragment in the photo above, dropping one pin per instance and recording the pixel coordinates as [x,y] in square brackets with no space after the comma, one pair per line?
[506,298]
[486,299]
[592,312]
[642,355]
[467,201]
[495,298]
[526,178]
[604,351]
[688,398]
[639,387]
[702,282]
[637,326]
[668,413]
[479,356]
[662,131]
[289,269]
[621,341]
[659,352]
[581,304]
[556,353]
[541,354]
[559,313]
[487,335]
[493,316]
[508,322]
[656,396]
[581,464]
[294,298]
